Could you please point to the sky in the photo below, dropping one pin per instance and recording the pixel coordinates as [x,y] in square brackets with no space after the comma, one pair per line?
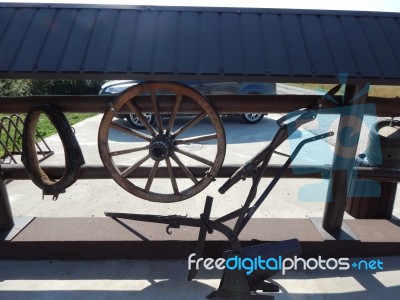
[360,5]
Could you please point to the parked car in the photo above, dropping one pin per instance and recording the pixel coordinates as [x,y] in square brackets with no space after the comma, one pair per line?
[206,88]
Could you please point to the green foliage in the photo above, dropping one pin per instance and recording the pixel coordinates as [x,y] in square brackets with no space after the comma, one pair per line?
[10,88]
[65,87]
[15,88]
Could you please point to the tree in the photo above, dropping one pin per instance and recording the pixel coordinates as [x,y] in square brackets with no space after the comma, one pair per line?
[10,88]
[65,87]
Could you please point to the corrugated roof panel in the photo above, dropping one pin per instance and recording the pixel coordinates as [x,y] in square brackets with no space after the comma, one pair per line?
[144,42]
[35,37]
[202,44]
[78,40]
[339,47]
[380,47]
[164,51]
[278,56]
[100,41]
[187,43]
[121,43]
[299,59]
[359,46]
[231,43]
[56,41]
[391,25]
[5,16]
[318,48]
[209,44]
[254,57]
[14,37]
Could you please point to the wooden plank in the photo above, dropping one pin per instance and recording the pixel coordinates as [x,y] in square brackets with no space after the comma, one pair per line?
[16,172]
[222,103]
[105,238]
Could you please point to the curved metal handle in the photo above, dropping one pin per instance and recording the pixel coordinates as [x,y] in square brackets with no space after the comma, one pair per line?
[285,129]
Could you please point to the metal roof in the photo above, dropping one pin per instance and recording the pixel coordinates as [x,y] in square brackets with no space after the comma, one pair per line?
[183,43]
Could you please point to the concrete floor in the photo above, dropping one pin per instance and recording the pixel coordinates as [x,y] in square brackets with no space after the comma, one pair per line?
[126,279]
[167,279]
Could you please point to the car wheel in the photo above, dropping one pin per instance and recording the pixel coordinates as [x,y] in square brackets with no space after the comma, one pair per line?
[252,118]
[135,122]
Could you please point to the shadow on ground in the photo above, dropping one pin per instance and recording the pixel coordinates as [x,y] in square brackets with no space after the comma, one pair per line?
[126,279]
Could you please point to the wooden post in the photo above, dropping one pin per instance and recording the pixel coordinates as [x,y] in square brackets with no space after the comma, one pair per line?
[344,158]
[6,218]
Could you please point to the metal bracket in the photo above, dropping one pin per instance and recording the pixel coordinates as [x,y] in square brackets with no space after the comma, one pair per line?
[208,174]
[344,233]
[19,224]
[112,108]
[173,224]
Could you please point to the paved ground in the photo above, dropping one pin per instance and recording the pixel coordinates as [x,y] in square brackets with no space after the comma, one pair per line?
[96,280]
[166,279]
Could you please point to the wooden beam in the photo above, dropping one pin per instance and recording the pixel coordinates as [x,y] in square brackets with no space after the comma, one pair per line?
[222,103]
[17,172]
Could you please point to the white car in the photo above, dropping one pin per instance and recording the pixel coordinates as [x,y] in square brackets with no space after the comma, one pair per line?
[206,88]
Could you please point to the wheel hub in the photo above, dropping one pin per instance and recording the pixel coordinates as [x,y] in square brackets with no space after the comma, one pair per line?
[161,147]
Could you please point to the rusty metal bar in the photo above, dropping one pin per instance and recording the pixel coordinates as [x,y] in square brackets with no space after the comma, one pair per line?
[344,157]
[99,172]
[6,217]
[222,103]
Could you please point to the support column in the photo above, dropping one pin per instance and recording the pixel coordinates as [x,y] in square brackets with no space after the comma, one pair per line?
[6,218]
[344,156]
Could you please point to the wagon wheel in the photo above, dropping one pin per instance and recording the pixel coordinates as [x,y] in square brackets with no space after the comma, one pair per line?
[168,143]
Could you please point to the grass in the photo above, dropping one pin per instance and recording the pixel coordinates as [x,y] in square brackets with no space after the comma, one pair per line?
[387,91]
[45,128]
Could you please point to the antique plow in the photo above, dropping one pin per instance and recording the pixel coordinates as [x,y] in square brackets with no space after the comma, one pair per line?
[235,284]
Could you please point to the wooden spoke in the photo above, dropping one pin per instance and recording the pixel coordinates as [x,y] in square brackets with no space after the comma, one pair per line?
[152,175]
[195,157]
[156,111]
[184,169]
[195,139]
[131,131]
[127,151]
[172,176]
[142,119]
[174,113]
[132,168]
[189,124]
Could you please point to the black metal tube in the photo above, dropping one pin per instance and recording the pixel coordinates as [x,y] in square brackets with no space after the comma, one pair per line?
[6,218]
[343,160]
[205,217]
[278,176]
